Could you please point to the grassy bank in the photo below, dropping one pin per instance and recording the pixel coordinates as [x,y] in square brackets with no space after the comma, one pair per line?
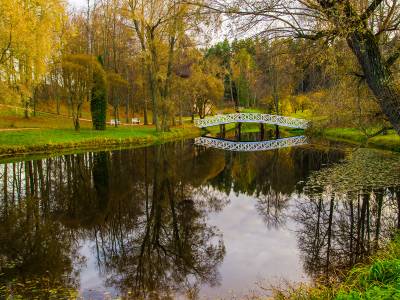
[378,278]
[391,141]
[42,140]
[51,133]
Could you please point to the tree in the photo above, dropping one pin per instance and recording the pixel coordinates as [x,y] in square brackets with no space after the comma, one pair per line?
[242,66]
[223,52]
[367,27]
[28,39]
[77,82]
[159,26]
[98,101]
[207,90]
[118,88]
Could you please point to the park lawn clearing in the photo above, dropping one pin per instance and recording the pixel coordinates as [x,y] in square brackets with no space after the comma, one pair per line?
[52,140]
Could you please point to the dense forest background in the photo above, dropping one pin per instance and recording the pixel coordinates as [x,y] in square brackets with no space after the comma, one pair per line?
[159,60]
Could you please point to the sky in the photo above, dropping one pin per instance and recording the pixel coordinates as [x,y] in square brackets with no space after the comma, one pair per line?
[78,3]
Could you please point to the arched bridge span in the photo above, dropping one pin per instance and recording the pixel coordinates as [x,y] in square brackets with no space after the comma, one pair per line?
[252,118]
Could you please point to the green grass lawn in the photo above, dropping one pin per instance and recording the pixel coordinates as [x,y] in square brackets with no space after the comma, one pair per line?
[54,136]
[51,133]
[391,141]
[50,140]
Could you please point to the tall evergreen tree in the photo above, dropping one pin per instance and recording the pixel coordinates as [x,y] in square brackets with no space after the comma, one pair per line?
[98,103]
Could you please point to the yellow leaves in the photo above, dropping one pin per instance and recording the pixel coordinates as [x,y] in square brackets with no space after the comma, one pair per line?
[116,79]
[28,39]
[78,72]
[206,85]
[7,95]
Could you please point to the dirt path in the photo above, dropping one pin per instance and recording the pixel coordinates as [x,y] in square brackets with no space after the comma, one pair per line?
[17,129]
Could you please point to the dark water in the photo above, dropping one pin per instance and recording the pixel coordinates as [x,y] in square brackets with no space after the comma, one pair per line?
[181,221]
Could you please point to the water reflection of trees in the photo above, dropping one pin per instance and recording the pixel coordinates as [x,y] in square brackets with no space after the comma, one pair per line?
[36,251]
[272,177]
[343,211]
[348,211]
[171,249]
[145,211]
[140,208]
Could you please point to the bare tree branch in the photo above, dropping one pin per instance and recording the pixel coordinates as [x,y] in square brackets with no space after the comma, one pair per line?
[371,9]
[393,58]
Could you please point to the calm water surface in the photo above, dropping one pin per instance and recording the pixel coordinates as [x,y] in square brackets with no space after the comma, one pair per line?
[189,222]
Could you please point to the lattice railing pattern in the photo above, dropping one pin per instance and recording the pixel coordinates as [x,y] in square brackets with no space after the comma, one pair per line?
[251,146]
[252,118]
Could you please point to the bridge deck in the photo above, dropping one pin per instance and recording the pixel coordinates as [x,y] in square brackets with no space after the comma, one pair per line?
[252,118]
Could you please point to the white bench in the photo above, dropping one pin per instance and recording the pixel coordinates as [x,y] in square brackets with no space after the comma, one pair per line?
[135,121]
[114,121]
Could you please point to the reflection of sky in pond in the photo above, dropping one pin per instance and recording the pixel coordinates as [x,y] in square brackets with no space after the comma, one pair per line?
[253,252]
[92,284]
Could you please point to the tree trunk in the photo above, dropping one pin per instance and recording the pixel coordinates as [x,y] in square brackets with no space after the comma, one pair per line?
[26,111]
[153,94]
[377,74]
[180,113]
[231,92]
[75,117]
[115,117]
[34,101]
[145,119]
[77,126]
[58,104]
[153,68]
[127,108]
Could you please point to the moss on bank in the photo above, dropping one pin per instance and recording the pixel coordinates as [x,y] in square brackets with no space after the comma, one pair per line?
[22,142]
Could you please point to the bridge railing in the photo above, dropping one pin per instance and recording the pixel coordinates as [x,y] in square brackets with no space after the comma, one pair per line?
[252,118]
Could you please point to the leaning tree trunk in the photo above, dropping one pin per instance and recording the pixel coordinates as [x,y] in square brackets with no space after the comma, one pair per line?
[377,74]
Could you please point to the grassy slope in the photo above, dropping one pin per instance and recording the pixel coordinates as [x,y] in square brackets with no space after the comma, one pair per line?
[391,141]
[49,140]
[52,133]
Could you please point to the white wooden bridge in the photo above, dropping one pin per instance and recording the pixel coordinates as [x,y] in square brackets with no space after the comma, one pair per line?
[252,118]
[250,146]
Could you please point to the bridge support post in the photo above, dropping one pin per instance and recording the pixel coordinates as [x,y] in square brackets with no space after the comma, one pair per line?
[222,130]
[277,132]
[238,131]
[262,131]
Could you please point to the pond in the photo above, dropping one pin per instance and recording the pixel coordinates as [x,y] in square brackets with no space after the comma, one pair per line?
[184,221]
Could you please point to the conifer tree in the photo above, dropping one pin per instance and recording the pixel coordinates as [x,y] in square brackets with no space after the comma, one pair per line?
[98,103]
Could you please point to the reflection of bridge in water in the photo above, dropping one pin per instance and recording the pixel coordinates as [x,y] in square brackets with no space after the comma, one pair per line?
[252,118]
[251,146]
